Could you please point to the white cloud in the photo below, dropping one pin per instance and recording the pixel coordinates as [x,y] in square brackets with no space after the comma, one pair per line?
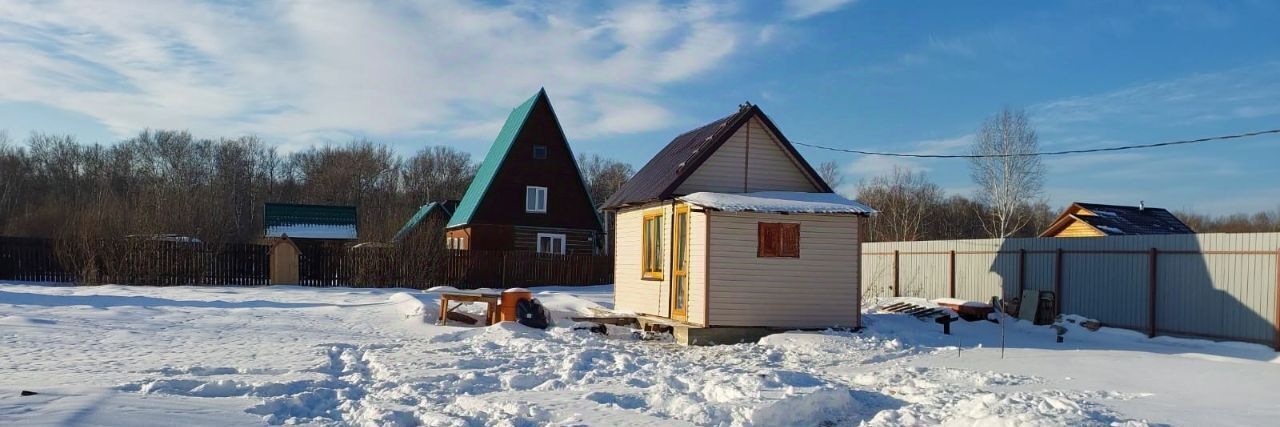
[293,70]
[801,9]
[865,167]
[1241,93]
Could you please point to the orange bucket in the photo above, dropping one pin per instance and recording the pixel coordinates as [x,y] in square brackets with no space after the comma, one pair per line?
[509,299]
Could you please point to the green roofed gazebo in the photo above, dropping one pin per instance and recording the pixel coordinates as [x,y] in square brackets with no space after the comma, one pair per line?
[528,194]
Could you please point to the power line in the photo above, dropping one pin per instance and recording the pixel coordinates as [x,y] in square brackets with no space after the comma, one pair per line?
[1046,153]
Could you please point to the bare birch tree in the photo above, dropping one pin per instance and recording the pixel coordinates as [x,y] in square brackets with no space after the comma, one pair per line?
[1008,177]
[830,172]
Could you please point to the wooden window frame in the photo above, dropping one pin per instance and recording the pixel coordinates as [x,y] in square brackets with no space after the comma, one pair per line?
[771,240]
[536,190]
[646,240]
[561,236]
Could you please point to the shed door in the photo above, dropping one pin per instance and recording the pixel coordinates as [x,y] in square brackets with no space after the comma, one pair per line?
[680,265]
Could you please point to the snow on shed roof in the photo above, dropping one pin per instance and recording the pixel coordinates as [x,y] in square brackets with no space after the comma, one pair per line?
[313,231]
[301,221]
[778,201]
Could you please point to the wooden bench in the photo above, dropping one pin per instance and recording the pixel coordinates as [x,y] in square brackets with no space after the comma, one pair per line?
[489,299]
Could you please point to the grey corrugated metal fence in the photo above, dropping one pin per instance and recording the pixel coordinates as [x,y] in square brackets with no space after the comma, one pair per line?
[1224,286]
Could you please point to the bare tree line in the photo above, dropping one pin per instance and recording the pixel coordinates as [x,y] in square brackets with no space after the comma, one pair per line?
[1260,222]
[914,208]
[603,176]
[170,182]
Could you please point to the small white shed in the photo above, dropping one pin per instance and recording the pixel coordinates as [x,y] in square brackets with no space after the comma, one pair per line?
[729,226]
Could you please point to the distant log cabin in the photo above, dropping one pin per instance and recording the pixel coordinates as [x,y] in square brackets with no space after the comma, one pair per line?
[1097,220]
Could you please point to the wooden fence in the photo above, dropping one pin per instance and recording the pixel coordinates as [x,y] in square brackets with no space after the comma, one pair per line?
[135,261]
[388,267]
[322,264]
[1222,286]
[33,260]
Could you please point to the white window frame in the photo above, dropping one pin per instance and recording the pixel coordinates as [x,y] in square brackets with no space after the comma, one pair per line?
[552,236]
[456,243]
[532,205]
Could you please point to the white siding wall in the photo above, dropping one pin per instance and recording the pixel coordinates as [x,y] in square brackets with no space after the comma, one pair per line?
[630,292]
[819,289]
[697,267]
[633,294]
[768,168]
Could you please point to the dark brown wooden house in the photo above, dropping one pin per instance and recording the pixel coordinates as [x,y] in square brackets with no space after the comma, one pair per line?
[528,194]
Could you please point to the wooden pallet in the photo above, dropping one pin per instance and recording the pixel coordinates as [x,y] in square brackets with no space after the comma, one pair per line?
[917,311]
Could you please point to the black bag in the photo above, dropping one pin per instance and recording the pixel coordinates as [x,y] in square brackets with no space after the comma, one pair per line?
[530,313]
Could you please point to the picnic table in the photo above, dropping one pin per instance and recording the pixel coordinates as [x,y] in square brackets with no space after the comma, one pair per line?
[490,299]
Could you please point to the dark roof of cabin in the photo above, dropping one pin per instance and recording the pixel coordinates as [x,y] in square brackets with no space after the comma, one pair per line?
[659,178]
[446,208]
[1132,220]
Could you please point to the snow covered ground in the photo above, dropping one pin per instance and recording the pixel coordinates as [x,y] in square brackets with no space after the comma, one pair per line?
[117,355]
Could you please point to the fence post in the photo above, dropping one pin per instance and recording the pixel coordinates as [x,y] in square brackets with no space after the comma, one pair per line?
[1151,296]
[952,277]
[1057,284]
[1276,322]
[1022,272]
[896,291]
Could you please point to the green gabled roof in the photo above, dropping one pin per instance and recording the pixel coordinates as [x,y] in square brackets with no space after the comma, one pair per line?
[492,161]
[301,221]
[446,207]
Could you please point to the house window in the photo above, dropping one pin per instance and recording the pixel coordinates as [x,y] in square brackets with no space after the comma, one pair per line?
[778,240]
[651,252]
[539,151]
[456,243]
[535,199]
[550,243]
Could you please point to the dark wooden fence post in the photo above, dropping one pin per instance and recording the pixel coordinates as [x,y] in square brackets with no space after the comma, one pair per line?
[896,291]
[1151,296]
[952,278]
[1057,284]
[1022,272]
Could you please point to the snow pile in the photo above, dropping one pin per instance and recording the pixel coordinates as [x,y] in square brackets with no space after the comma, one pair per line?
[412,307]
[778,201]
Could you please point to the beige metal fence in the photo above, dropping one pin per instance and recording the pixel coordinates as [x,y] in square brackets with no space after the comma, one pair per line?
[1223,286]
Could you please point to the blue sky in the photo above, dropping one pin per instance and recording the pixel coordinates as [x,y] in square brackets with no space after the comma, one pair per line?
[625,77]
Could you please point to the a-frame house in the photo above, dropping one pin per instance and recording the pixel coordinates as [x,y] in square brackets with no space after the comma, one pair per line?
[528,194]
[728,226]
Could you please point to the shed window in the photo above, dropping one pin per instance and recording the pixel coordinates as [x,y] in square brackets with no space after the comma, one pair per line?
[651,252]
[535,199]
[778,240]
[539,151]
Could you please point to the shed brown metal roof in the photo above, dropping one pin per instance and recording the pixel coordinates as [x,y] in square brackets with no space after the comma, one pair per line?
[659,178]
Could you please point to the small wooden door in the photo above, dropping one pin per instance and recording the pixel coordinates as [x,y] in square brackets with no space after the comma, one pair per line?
[680,267]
